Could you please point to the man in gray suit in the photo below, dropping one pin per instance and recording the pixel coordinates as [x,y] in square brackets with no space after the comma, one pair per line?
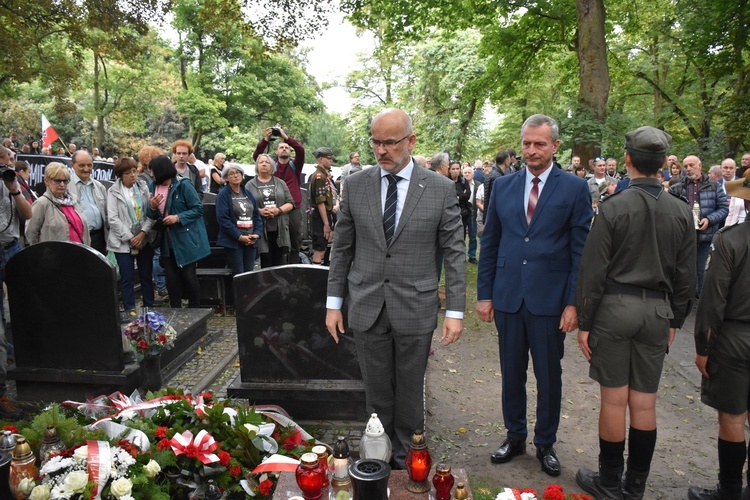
[387,272]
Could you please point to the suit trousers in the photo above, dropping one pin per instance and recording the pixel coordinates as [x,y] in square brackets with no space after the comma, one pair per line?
[393,366]
[520,333]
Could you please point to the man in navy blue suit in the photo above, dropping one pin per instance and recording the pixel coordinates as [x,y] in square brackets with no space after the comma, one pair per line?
[535,229]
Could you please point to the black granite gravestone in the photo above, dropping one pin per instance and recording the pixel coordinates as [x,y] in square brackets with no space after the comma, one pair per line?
[66,325]
[286,355]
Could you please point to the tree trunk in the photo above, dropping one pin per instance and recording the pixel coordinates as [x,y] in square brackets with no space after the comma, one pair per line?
[465,122]
[98,103]
[593,72]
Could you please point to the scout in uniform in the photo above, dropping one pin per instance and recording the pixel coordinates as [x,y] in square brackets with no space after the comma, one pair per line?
[634,288]
[321,202]
[722,346]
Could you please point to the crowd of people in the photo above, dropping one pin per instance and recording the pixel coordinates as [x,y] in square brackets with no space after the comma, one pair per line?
[618,254]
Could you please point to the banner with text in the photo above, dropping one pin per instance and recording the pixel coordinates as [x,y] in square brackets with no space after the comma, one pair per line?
[103,171]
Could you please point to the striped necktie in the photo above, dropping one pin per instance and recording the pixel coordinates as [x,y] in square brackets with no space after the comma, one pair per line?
[533,198]
[389,212]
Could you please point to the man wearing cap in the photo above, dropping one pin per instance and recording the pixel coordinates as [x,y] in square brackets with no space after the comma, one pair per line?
[632,294]
[722,346]
[321,199]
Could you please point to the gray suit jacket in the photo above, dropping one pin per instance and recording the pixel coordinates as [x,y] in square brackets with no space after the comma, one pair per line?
[402,275]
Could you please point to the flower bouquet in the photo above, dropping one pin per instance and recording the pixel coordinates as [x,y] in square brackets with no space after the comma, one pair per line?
[150,334]
[174,446]
[552,492]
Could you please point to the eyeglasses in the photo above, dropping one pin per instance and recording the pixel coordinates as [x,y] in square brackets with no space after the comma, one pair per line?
[61,181]
[387,144]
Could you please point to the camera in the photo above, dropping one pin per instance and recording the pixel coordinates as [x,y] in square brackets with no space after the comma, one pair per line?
[276,131]
[7,174]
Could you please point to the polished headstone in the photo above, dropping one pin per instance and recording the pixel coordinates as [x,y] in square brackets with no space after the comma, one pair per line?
[65,309]
[287,356]
[67,333]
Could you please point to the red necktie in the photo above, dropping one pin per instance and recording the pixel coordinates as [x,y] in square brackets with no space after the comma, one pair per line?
[533,198]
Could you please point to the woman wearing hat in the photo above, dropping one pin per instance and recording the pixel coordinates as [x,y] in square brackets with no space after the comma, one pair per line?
[176,207]
[240,224]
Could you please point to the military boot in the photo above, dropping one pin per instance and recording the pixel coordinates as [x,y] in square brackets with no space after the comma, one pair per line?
[603,485]
[634,485]
[721,492]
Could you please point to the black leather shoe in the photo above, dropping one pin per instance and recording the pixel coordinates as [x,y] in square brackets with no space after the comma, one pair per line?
[548,458]
[509,449]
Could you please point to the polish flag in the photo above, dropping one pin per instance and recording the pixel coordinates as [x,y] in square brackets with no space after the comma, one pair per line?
[49,134]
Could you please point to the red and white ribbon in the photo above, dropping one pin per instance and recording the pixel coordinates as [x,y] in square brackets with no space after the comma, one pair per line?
[277,463]
[99,463]
[200,447]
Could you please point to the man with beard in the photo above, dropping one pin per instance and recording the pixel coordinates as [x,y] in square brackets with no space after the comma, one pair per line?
[290,171]
[387,275]
[709,204]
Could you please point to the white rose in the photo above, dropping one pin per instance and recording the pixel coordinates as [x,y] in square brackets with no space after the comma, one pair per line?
[26,485]
[252,428]
[77,481]
[81,454]
[121,487]
[152,468]
[41,492]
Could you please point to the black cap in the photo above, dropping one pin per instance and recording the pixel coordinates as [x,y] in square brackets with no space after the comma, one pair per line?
[648,141]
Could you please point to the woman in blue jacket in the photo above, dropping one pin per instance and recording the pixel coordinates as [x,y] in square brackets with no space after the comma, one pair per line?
[240,224]
[174,201]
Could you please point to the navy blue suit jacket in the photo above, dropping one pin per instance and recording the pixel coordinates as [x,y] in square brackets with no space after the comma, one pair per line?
[534,263]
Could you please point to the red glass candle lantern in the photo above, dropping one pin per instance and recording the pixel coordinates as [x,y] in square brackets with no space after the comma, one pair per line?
[418,464]
[310,477]
[322,453]
[443,482]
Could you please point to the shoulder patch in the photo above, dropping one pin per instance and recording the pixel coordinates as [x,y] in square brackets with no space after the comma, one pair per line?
[318,176]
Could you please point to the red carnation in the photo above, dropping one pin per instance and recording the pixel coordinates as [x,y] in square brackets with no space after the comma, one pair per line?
[161,432]
[553,492]
[162,338]
[224,458]
[142,345]
[129,447]
[207,396]
[163,445]
[12,428]
[191,451]
[291,442]
[235,470]
[265,487]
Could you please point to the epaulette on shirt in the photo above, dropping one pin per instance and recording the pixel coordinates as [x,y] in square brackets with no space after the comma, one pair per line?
[679,196]
[727,228]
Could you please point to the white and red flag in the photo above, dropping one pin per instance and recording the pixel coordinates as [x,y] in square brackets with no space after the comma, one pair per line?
[49,134]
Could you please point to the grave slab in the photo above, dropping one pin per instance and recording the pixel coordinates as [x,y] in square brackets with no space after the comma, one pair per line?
[66,325]
[287,356]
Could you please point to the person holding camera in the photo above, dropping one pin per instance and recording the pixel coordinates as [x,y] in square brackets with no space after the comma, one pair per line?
[290,171]
[13,208]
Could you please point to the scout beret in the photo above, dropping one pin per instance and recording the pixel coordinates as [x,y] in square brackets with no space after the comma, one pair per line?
[648,141]
[323,152]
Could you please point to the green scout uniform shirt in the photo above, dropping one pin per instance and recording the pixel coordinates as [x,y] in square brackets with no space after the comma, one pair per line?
[726,289]
[320,187]
[643,237]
